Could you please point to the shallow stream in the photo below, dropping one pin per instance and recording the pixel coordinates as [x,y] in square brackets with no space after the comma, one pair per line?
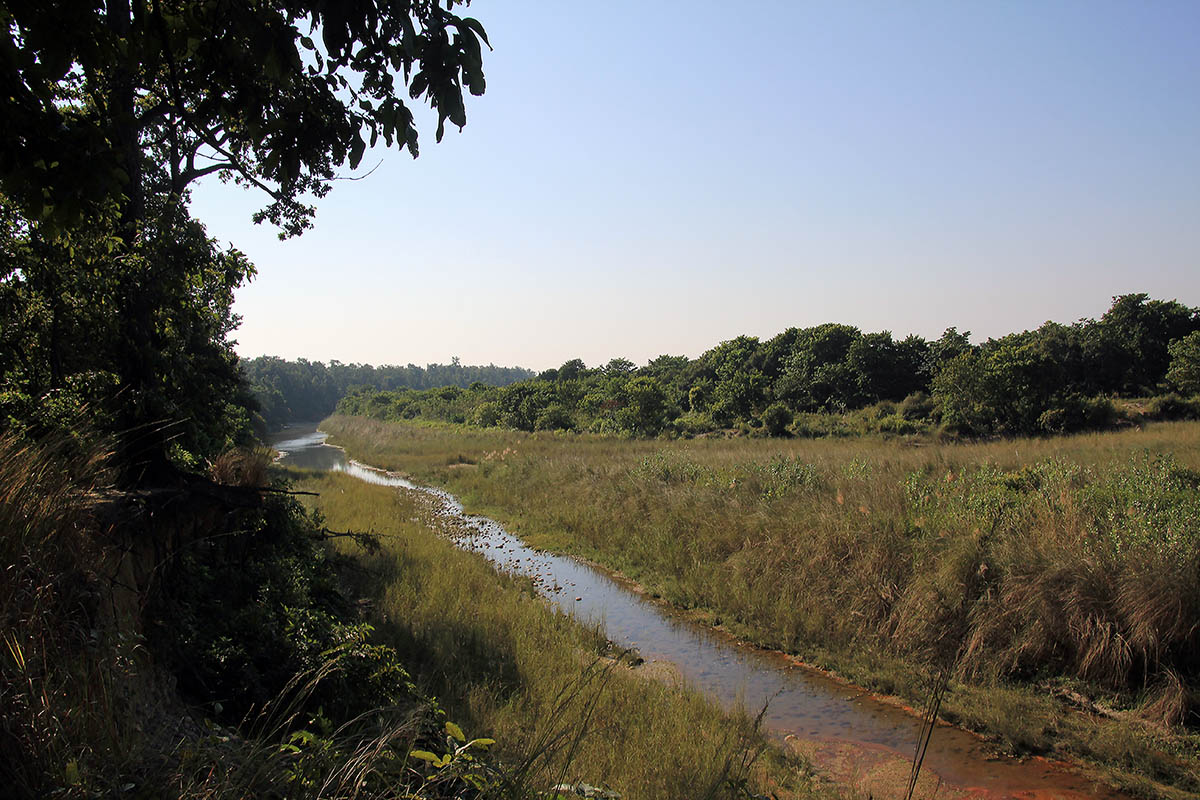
[845,730]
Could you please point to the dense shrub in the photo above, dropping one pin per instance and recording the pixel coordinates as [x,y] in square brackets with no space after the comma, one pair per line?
[918,405]
[776,418]
[1173,406]
[245,608]
[1078,414]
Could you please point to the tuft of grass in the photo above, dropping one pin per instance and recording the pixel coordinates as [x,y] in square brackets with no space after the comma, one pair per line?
[242,466]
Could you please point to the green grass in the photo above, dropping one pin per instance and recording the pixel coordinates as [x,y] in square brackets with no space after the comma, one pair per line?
[1038,565]
[507,666]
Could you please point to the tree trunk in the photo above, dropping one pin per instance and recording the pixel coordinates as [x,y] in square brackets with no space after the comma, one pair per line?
[144,440]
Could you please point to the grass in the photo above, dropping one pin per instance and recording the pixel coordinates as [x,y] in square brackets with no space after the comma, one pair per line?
[1040,567]
[86,709]
[507,666]
[60,675]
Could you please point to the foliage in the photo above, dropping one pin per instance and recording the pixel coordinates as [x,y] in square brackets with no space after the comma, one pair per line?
[67,351]
[92,92]
[109,113]
[1184,372]
[1172,406]
[290,391]
[776,417]
[239,615]
[834,380]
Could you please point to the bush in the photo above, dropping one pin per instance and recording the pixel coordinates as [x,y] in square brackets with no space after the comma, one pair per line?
[487,415]
[917,405]
[1184,373]
[776,418]
[554,417]
[243,610]
[897,424]
[1173,406]
[1079,414]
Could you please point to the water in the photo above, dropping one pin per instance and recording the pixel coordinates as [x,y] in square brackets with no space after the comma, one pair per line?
[828,717]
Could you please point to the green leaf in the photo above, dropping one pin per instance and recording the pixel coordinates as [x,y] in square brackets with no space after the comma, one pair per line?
[475,25]
[424,755]
[357,148]
[455,731]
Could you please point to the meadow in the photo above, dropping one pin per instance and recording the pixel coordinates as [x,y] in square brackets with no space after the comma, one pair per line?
[562,705]
[1058,577]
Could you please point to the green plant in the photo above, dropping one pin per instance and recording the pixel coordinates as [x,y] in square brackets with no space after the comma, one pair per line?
[776,418]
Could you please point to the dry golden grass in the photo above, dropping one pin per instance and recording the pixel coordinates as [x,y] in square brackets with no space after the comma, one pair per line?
[242,466]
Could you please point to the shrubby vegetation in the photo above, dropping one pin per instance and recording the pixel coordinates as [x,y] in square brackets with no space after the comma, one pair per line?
[302,390]
[836,380]
[109,599]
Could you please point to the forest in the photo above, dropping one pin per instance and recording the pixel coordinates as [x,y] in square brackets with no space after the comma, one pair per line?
[290,391]
[810,382]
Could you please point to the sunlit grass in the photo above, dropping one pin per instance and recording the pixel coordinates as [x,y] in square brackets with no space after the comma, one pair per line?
[1034,563]
[507,666]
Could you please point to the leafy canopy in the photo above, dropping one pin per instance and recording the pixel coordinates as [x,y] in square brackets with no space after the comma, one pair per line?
[273,95]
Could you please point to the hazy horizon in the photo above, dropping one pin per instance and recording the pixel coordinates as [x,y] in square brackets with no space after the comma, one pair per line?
[638,189]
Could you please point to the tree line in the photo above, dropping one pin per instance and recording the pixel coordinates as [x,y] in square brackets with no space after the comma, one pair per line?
[287,391]
[1058,378]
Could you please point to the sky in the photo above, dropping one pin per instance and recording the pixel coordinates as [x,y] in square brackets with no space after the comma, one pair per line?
[655,178]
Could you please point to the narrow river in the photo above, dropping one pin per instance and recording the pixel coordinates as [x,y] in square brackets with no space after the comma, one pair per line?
[845,731]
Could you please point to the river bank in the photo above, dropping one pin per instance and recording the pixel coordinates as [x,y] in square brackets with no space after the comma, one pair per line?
[559,493]
[550,690]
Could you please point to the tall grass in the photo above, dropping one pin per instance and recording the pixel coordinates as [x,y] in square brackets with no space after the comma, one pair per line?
[1071,561]
[506,665]
[85,711]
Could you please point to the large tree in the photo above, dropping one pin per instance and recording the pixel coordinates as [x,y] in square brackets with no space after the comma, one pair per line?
[110,110]
[92,92]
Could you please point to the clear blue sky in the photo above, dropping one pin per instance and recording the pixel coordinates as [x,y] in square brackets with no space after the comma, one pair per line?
[647,178]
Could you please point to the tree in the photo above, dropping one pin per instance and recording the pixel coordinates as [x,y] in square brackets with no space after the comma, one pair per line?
[817,376]
[108,112]
[643,408]
[1128,346]
[739,386]
[93,92]
[1184,374]
[618,367]
[950,346]
[888,370]
[61,333]
[571,370]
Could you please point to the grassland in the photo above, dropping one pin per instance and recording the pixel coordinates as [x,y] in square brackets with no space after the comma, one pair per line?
[506,666]
[1043,569]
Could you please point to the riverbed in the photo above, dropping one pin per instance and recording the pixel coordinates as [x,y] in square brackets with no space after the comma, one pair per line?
[853,736]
